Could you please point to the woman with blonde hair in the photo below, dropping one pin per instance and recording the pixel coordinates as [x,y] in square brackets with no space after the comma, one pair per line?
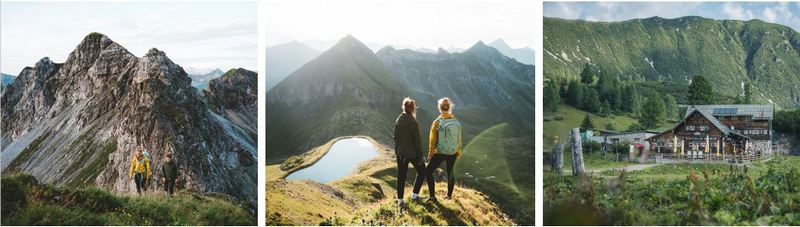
[444,146]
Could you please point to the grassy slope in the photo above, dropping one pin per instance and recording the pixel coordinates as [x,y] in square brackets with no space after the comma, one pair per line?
[369,194]
[572,118]
[763,193]
[501,164]
[26,202]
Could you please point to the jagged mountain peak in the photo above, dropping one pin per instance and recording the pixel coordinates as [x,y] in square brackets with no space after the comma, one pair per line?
[481,49]
[236,72]
[43,62]
[442,51]
[217,72]
[384,50]
[351,44]
[500,43]
[478,44]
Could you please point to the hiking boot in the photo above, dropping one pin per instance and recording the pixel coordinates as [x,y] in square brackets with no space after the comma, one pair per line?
[432,199]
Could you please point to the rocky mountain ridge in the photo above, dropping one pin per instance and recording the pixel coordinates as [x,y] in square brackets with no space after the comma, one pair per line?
[79,122]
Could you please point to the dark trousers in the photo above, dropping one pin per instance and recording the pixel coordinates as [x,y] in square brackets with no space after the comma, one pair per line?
[139,179]
[402,172]
[437,160]
[169,186]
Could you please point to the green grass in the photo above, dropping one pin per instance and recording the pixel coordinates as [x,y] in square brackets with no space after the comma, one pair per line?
[500,163]
[91,171]
[570,117]
[591,161]
[41,204]
[761,193]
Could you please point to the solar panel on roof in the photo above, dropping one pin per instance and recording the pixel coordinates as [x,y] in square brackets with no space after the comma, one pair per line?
[725,110]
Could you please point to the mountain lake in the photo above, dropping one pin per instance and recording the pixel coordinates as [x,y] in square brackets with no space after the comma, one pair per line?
[340,161]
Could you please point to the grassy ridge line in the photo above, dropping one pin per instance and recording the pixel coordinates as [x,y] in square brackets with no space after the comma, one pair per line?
[27,202]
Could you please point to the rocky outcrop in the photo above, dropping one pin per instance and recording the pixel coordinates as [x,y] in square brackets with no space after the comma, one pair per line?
[234,96]
[79,123]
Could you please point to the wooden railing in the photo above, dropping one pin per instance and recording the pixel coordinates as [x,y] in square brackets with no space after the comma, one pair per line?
[713,157]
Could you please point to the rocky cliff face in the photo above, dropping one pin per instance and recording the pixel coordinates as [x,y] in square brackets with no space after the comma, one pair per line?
[79,123]
[234,97]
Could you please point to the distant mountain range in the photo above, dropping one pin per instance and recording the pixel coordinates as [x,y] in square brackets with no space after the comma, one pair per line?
[523,55]
[726,52]
[285,58]
[78,123]
[349,90]
[200,81]
[7,79]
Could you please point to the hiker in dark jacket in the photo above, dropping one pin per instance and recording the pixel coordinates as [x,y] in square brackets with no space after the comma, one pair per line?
[169,171]
[408,149]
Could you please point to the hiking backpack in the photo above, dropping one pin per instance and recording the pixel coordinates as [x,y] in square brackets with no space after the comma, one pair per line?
[147,159]
[449,136]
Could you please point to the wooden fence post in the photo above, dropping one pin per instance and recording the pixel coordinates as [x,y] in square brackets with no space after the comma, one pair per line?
[558,158]
[577,153]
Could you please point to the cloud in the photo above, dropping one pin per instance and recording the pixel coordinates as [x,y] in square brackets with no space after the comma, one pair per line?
[785,13]
[736,11]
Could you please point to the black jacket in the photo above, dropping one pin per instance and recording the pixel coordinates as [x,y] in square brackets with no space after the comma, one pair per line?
[170,170]
[407,141]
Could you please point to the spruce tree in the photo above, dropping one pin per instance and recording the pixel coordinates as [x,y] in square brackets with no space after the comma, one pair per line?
[551,97]
[653,111]
[575,94]
[591,101]
[700,91]
[587,122]
[671,107]
[587,76]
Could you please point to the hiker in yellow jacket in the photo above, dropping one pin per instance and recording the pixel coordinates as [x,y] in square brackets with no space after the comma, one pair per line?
[444,145]
[140,170]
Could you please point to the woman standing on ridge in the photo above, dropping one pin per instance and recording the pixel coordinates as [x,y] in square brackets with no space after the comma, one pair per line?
[444,146]
[408,148]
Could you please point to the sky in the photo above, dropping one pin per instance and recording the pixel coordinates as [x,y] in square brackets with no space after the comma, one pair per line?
[785,13]
[200,35]
[418,23]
